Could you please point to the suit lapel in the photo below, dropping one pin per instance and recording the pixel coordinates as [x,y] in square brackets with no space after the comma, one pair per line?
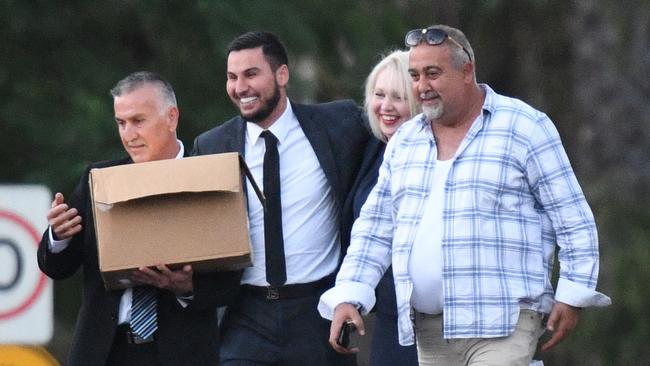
[373,150]
[319,140]
[236,141]
[371,154]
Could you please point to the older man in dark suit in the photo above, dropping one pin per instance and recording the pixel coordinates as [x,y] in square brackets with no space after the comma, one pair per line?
[306,157]
[180,326]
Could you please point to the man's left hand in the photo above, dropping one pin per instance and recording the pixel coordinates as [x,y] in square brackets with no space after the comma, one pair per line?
[563,319]
[178,282]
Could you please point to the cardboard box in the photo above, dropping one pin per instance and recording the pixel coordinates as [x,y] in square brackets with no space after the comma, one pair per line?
[175,212]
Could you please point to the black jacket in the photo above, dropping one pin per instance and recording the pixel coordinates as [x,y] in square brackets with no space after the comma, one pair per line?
[337,131]
[185,336]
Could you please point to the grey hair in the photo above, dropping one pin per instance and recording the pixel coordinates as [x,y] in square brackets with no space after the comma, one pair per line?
[458,56]
[139,79]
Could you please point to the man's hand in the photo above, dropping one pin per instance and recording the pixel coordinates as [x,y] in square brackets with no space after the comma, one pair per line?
[64,221]
[178,282]
[345,312]
[562,320]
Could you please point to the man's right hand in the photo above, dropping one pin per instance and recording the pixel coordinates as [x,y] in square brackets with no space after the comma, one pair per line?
[342,313]
[64,221]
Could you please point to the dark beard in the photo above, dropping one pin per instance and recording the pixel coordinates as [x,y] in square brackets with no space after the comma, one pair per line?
[267,109]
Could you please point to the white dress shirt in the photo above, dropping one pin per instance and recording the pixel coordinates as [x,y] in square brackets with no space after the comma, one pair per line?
[57,246]
[309,222]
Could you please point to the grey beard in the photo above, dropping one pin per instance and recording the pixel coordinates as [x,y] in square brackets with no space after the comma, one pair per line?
[432,113]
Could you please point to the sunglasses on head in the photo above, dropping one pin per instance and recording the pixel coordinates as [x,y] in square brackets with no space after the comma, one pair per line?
[432,36]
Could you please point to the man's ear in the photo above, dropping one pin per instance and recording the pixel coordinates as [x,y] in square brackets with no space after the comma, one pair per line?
[282,75]
[172,117]
[468,72]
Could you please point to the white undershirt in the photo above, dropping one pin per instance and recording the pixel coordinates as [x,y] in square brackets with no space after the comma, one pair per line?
[309,221]
[57,246]
[425,261]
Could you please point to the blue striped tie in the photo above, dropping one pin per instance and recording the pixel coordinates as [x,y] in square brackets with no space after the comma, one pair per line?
[144,320]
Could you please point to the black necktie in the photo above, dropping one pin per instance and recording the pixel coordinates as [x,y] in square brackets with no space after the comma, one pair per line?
[276,273]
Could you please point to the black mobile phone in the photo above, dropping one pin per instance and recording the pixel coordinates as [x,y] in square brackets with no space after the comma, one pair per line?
[344,337]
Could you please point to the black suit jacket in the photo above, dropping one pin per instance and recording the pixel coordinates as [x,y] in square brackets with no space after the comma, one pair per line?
[372,155]
[365,182]
[185,336]
[337,131]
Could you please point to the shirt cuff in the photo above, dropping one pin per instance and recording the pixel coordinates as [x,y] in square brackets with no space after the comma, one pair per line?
[185,300]
[56,246]
[575,294]
[182,302]
[350,292]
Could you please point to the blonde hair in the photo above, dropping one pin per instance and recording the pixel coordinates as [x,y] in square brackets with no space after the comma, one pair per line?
[396,64]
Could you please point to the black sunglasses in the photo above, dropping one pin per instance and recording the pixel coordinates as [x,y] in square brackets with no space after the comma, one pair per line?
[433,37]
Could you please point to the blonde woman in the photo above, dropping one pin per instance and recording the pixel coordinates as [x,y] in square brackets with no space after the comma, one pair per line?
[389,102]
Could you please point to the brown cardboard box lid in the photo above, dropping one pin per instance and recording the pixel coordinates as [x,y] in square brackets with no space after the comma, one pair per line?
[189,210]
[192,174]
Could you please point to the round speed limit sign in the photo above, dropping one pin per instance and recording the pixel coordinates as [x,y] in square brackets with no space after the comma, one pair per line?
[25,292]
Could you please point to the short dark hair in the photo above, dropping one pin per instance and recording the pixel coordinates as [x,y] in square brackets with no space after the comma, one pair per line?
[140,78]
[273,49]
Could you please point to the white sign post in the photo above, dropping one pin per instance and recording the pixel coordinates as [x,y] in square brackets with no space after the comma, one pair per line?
[25,292]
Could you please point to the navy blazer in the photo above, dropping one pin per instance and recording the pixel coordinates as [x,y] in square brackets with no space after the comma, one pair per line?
[385,349]
[365,182]
[337,131]
[185,336]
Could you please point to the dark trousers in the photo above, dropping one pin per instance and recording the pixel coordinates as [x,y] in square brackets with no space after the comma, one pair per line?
[283,332]
[385,349]
[124,353]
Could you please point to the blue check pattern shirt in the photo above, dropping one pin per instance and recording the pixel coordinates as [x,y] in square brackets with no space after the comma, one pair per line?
[511,196]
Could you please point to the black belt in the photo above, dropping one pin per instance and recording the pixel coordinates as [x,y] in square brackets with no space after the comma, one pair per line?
[292,291]
[124,330]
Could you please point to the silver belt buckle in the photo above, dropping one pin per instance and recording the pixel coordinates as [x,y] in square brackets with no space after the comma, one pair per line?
[272,293]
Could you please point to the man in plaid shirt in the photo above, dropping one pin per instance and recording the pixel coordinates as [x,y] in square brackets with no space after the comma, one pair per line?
[472,197]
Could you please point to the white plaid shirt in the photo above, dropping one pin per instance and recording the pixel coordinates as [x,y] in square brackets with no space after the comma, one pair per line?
[510,196]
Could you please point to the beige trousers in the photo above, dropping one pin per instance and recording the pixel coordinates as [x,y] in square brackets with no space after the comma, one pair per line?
[517,349]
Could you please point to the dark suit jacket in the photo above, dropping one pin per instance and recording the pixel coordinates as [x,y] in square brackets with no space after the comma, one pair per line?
[365,182]
[385,348]
[185,336]
[337,131]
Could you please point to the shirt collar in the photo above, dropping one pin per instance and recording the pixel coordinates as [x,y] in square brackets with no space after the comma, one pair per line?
[181,151]
[425,125]
[488,106]
[280,128]
[489,103]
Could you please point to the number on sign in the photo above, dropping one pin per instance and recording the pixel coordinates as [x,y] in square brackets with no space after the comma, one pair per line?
[9,280]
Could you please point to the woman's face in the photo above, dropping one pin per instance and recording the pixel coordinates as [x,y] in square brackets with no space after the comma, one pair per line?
[390,109]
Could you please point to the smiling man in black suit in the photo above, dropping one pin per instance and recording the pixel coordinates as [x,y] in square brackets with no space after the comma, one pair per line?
[306,157]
